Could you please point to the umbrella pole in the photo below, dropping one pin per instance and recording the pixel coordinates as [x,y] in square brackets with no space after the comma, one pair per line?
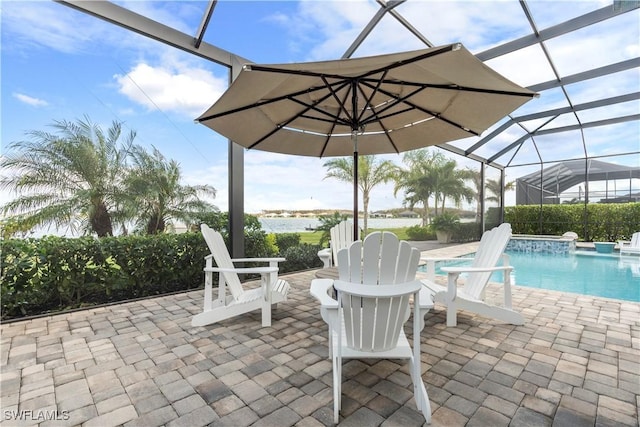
[354,136]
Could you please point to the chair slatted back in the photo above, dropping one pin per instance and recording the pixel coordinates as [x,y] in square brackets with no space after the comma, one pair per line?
[374,315]
[635,240]
[378,259]
[223,259]
[341,237]
[492,246]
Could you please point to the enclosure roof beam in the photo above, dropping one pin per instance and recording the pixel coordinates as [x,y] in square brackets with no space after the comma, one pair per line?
[461,152]
[580,107]
[384,8]
[489,137]
[140,24]
[596,123]
[204,23]
[577,23]
[586,75]
[408,26]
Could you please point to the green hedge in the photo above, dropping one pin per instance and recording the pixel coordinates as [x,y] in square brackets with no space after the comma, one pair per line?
[55,273]
[51,274]
[462,232]
[285,241]
[597,222]
[418,232]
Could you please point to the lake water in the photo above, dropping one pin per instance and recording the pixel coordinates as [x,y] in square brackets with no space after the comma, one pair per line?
[297,225]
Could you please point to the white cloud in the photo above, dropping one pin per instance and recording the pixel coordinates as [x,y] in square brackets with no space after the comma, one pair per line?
[332,26]
[34,102]
[62,29]
[53,26]
[171,87]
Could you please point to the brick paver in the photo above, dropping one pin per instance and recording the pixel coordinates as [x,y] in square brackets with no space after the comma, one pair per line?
[576,361]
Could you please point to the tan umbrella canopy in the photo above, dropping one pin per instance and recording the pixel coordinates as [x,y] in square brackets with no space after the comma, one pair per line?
[372,105]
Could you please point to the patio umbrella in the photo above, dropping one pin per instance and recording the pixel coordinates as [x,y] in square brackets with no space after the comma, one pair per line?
[371,105]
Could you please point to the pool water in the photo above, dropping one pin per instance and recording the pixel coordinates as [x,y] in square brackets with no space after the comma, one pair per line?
[582,272]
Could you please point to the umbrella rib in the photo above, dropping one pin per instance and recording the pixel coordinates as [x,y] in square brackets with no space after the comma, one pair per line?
[395,101]
[373,93]
[449,86]
[440,51]
[302,113]
[387,134]
[444,49]
[341,103]
[404,100]
[271,101]
[326,140]
[330,119]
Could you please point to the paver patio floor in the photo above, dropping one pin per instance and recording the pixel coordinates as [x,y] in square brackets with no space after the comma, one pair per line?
[576,362]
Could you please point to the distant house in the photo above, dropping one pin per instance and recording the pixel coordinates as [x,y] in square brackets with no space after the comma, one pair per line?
[380,215]
[408,214]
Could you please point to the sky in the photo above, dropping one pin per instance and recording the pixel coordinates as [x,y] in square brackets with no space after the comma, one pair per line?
[60,64]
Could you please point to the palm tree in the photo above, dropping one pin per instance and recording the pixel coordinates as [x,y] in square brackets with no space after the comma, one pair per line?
[157,195]
[451,183]
[493,186]
[419,179]
[476,180]
[371,172]
[72,178]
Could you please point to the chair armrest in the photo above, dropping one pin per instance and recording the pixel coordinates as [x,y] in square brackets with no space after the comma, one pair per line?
[427,259]
[454,272]
[431,265]
[382,291]
[458,270]
[257,270]
[320,290]
[325,257]
[258,259]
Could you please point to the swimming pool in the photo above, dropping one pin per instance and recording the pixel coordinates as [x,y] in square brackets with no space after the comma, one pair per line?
[582,272]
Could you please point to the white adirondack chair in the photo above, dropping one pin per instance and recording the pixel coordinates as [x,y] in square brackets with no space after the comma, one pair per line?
[471,297]
[341,237]
[631,247]
[367,318]
[272,290]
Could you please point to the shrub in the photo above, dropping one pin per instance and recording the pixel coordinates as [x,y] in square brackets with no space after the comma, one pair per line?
[417,232]
[285,241]
[302,257]
[467,232]
[54,273]
[446,221]
[258,244]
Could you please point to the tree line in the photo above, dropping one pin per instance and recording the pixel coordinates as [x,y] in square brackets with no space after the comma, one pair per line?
[427,180]
[101,182]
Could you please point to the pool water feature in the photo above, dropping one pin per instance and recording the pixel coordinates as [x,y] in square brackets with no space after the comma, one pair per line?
[542,244]
[581,272]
